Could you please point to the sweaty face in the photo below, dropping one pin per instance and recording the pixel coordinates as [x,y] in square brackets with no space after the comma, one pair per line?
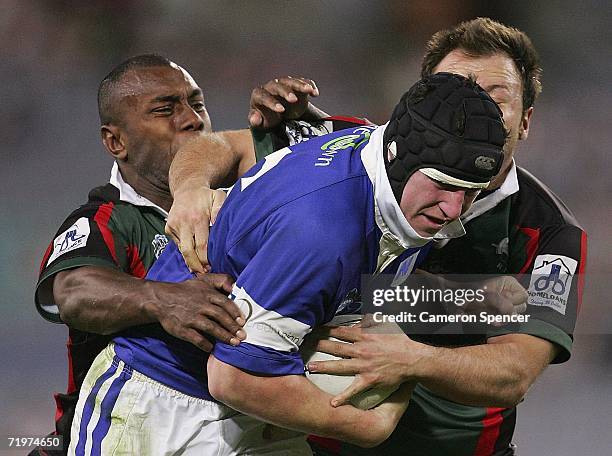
[498,75]
[429,205]
[160,107]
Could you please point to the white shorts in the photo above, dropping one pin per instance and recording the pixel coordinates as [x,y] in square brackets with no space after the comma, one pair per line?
[123,412]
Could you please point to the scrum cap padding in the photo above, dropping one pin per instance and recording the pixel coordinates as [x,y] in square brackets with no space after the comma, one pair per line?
[448,127]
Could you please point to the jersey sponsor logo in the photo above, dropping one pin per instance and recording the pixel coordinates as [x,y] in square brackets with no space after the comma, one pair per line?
[159,243]
[405,269]
[332,147]
[244,304]
[73,238]
[268,328]
[551,280]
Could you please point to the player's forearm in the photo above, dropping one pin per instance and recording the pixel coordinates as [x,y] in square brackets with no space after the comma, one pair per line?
[102,300]
[212,160]
[241,143]
[293,402]
[484,375]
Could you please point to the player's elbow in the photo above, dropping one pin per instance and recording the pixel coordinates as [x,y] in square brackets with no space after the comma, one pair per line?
[369,441]
[510,398]
[77,307]
[519,378]
[218,391]
[74,315]
[370,437]
[517,391]
[220,381]
[68,312]
[514,390]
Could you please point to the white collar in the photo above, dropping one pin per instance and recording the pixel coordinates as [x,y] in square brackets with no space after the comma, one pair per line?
[389,217]
[481,206]
[128,194]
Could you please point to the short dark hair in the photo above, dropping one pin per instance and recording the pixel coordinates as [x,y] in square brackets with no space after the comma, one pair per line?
[111,81]
[484,36]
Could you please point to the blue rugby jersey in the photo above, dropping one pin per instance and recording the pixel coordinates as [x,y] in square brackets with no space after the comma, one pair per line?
[297,231]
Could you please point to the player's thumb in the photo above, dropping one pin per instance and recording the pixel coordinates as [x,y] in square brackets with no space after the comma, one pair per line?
[357,386]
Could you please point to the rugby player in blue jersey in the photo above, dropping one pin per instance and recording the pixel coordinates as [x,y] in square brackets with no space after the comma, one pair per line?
[469,385]
[297,232]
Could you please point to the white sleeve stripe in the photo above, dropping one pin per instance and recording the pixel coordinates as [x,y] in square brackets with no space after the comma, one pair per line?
[268,328]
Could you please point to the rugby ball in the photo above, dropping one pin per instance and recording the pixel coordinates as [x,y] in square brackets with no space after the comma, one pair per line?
[335,384]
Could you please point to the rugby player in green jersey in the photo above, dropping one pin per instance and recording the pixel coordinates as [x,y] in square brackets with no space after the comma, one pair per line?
[91,275]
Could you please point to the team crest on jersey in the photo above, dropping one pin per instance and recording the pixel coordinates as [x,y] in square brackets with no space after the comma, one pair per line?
[73,238]
[159,242]
[551,281]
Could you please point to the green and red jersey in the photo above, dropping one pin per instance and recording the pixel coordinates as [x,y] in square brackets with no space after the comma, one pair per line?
[116,228]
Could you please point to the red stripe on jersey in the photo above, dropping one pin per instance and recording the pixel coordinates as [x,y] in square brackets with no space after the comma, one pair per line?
[357,120]
[45,257]
[581,266]
[71,384]
[102,217]
[491,425]
[330,445]
[532,246]
[137,269]
[59,410]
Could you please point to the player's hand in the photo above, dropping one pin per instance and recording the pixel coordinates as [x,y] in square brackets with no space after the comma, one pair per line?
[199,307]
[194,209]
[503,295]
[280,99]
[375,356]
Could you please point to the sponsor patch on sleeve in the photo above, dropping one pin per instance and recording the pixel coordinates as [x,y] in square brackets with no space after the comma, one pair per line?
[551,281]
[73,238]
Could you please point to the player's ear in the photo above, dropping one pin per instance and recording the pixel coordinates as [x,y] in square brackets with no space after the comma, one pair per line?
[113,141]
[525,120]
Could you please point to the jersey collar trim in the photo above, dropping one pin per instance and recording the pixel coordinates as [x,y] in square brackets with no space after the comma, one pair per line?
[128,194]
[509,187]
[389,217]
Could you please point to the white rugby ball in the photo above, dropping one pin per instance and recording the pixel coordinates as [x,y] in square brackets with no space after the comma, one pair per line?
[335,384]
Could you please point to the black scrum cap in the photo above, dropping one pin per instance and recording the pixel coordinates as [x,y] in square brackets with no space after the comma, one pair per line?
[447,127]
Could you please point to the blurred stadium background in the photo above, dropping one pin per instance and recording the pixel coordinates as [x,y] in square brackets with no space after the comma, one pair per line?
[363,54]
